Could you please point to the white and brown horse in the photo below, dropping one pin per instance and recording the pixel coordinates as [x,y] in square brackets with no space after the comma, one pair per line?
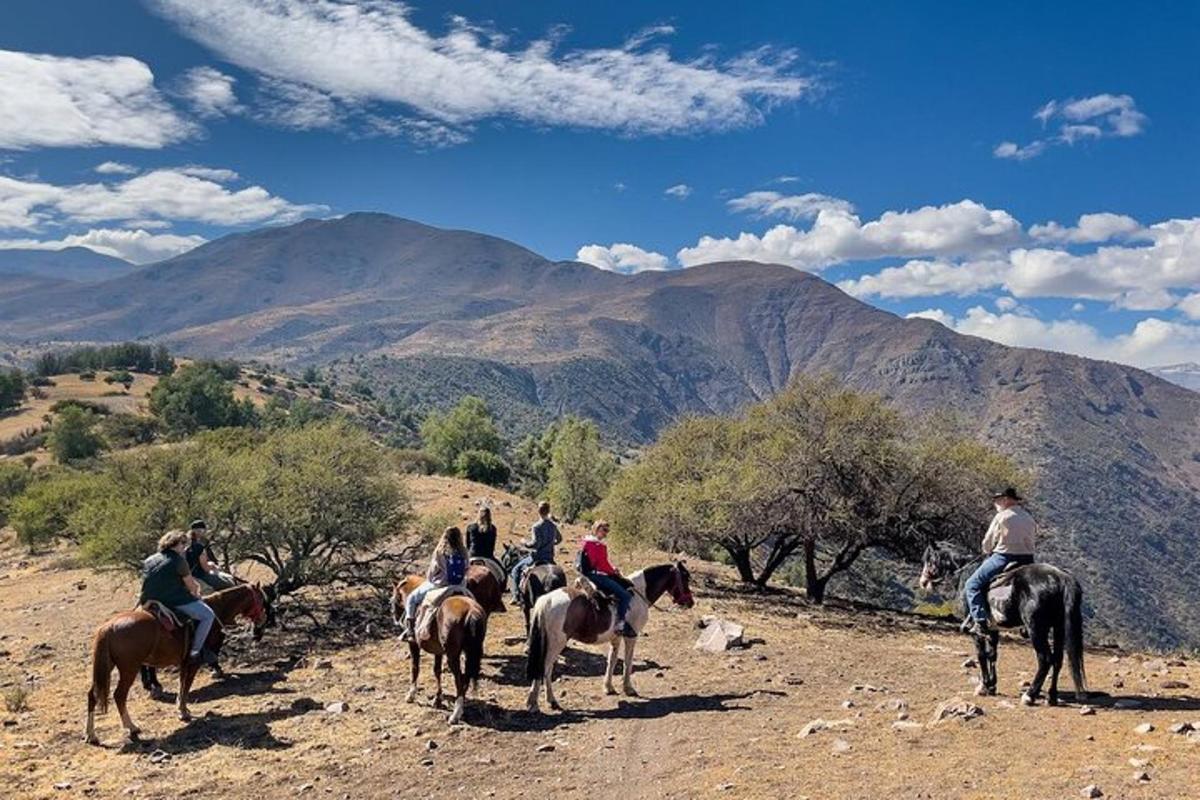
[571,614]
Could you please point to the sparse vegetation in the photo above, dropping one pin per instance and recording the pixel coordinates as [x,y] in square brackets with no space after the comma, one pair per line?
[466,427]
[16,699]
[150,359]
[12,389]
[199,396]
[72,436]
[580,468]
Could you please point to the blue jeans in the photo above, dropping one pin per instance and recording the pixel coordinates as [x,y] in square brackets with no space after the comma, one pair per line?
[609,584]
[977,584]
[413,601]
[204,616]
[517,571]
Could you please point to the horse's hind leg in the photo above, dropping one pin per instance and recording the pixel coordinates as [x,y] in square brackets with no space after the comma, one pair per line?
[987,677]
[89,734]
[460,687]
[414,652]
[1056,660]
[610,668]
[438,699]
[187,674]
[1039,635]
[125,679]
[553,651]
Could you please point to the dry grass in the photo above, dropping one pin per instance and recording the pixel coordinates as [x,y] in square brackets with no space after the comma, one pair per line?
[721,726]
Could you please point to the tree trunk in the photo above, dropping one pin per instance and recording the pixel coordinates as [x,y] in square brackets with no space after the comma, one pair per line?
[814,583]
[741,560]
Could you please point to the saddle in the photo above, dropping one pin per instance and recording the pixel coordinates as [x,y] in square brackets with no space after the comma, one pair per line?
[429,606]
[167,618]
[999,593]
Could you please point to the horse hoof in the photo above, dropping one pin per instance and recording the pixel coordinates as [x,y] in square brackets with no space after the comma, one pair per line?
[185,716]
[610,690]
[411,697]
[631,692]
[1052,700]
[135,735]
[1028,700]
[93,740]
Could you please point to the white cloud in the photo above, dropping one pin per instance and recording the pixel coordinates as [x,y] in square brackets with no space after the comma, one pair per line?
[1007,303]
[137,246]
[51,101]
[355,55]
[1190,306]
[209,91]
[624,258]
[679,190]
[1135,275]
[794,207]
[620,186]
[1101,116]
[1091,229]
[116,168]
[1151,342]
[836,235]
[935,314]
[196,194]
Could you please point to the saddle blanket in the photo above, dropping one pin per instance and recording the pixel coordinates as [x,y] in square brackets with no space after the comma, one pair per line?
[165,616]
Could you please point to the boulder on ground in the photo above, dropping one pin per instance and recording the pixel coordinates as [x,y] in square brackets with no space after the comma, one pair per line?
[720,635]
[956,708]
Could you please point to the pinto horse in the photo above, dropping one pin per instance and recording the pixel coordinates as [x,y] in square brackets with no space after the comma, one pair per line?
[566,614]
[536,581]
[133,638]
[1041,598]
[456,634]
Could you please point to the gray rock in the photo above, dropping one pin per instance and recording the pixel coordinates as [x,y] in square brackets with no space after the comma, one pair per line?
[1087,711]
[956,708]
[546,748]
[1141,776]
[338,707]
[1091,790]
[323,663]
[720,636]
[1144,728]
[1181,727]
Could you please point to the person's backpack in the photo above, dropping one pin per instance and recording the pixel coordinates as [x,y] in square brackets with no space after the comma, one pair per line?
[583,565]
[456,569]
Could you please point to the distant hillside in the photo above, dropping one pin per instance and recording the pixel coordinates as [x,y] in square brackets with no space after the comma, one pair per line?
[1186,375]
[436,313]
[77,264]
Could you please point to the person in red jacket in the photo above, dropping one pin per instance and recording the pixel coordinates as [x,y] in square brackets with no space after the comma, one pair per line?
[595,566]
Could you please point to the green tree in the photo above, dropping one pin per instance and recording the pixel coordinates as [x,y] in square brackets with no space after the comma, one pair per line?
[72,436]
[198,396]
[14,478]
[467,426]
[482,467]
[580,468]
[12,389]
[43,511]
[531,461]
[311,375]
[122,431]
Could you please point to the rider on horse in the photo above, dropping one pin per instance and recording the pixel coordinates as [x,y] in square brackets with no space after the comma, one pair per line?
[447,567]
[481,536]
[594,565]
[543,537]
[202,562]
[1009,540]
[167,579]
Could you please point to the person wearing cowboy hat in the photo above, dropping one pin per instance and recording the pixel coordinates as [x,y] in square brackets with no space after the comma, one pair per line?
[1009,539]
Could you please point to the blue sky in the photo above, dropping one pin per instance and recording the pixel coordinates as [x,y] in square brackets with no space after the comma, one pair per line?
[915,153]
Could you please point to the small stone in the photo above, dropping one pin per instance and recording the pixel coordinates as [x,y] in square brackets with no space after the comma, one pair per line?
[159,756]
[847,704]
[323,663]
[431,745]
[1181,727]
[545,748]
[427,762]
[1141,776]
[1087,711]
[970,663]
[956,708]
[304,787]
[1175,685]
[1091,791]
[61,785]
[338,707]
[1144,728]
[1138,763]
[840,746]
[1118,683]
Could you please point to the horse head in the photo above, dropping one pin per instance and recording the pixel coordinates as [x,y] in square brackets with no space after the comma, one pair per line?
[940,561]
[510,557]
[680,589]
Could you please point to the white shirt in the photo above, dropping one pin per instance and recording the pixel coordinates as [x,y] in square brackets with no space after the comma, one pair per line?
[1012,531]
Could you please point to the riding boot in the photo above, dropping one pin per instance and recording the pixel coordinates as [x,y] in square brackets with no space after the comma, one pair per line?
[410,630]
[978,628]
[626,630]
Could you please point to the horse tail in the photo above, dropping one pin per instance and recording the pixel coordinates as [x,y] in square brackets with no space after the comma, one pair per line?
[1073,625]
[476,634]
[102,667]
[535,661]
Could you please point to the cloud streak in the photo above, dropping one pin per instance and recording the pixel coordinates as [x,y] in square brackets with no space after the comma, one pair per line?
[1102,116]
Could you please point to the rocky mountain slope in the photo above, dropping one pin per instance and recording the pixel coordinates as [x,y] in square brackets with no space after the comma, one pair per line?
[77,264]
[435,313]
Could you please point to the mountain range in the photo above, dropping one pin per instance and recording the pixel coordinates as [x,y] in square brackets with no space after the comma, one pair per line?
[428,314]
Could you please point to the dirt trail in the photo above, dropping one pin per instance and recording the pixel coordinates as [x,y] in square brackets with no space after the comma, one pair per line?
[707,725]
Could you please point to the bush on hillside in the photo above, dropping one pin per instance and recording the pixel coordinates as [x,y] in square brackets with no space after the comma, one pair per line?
[580,468]
[96,409]
[151,359]
[414,462]
[26,441]
[12,389]
[482,467]
[196,397]
[467,426]
[72,436]
[122,431]
[43,511]
[14,479]
[121,376]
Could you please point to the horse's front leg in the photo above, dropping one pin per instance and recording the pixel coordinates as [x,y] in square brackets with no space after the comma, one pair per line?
[438,700]
[1039,636]
[627,684]
[610,668]
[414,652]
[553,651]
[986,677]
[460,688]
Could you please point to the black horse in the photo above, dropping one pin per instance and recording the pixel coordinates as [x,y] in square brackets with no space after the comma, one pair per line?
[536,581]
[149,675]
[1045,600]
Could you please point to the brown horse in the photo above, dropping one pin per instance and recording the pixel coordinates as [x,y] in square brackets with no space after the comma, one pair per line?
[456,634]
[133,638]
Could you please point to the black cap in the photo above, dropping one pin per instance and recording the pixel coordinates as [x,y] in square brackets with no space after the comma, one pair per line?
[1010,493]
[197,523]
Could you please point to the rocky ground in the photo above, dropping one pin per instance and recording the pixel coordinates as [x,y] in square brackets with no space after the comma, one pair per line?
[820,703]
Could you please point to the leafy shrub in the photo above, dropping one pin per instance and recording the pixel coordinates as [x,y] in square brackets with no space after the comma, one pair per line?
[12,389]
[482,467]
[14,478]
[16,699]
[414,462]
[72,437]
[196,397]
[121,376]
[152,359]
[87,375]
[98,409]
[43,511]
[467,426]
[122,431]
[40,380]
[26,441]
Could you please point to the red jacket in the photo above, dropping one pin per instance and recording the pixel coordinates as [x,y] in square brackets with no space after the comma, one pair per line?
[597,555]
